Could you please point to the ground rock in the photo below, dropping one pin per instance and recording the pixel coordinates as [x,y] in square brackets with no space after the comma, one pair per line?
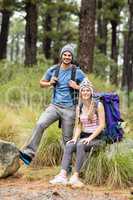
[9,158]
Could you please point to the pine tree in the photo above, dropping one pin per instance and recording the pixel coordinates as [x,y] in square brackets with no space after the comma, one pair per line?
[102,31]
[31,9]
[6,11]
[87,34]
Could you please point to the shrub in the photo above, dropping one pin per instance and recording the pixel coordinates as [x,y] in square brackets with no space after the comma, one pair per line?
[112,166]
[8,124]
[50,150]
[20,85]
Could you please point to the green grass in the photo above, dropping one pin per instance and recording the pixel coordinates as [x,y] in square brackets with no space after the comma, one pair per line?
[50,150]
[22,100]
[20,85]
[112,167]
[9,124]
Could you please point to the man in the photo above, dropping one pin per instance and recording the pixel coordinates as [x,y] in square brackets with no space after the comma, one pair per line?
[62,106]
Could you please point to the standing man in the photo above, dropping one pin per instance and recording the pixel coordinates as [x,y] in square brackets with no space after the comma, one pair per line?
[62,106]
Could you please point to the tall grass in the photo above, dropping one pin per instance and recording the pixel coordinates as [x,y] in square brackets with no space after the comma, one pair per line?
[112,166]
[50,150]
[20,85]
[94,170]
[9,124]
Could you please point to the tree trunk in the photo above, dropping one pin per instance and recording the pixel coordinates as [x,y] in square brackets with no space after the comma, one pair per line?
[127,79]
[101,30]
[114,49]
[58,40]
[17,47]
[31,34]
[12,48]
[47,28]
[114,53]
[130,49]
[4,33]
[87,35]
[124,71]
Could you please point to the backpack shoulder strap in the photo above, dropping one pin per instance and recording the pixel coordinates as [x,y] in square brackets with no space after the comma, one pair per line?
[80,108]
[96,101]
[73,92]
[57,69]
[73,74]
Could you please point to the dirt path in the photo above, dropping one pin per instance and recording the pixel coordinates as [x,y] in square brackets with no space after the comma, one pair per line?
[18,188]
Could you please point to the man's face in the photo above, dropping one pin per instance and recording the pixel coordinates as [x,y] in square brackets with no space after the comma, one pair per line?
[67,57]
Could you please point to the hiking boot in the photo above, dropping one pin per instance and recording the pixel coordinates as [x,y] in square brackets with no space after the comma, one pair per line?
[59,179]
[75,182]
[25,158]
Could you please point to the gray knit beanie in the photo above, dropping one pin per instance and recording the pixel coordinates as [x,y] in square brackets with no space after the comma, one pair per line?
[69,48]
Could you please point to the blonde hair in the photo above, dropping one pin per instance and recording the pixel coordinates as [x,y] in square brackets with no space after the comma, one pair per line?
[92,107]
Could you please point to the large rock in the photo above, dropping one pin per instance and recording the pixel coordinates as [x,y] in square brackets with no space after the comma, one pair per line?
[9,159]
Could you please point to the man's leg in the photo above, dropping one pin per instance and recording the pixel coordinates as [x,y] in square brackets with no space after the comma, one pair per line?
[67,124]
[49,116]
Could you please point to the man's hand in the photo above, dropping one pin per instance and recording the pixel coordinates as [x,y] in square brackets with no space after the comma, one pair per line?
[53,80]
[73,85]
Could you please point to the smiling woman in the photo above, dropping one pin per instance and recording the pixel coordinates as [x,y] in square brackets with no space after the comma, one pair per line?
[90,122]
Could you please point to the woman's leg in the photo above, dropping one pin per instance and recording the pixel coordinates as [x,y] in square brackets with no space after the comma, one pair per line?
[81,152]
[61,178]
[67,156]
[80,156]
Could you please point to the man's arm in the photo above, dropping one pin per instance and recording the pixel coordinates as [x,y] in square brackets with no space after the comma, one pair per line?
[48,79]
[74,85]
[79,77]
[46,83]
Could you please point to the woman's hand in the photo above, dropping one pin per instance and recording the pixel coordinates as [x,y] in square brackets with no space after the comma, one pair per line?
[86,140]
[74,140]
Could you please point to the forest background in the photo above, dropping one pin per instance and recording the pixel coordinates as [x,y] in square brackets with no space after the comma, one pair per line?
[32,33]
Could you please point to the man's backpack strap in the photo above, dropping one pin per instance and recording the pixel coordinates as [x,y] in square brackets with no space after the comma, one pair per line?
[74,93]
[73,74]
[57,69]
[56,74]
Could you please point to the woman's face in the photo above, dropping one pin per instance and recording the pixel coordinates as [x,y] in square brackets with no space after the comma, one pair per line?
[86,93]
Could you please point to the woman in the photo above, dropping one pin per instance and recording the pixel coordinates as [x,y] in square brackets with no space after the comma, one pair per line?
[90,122]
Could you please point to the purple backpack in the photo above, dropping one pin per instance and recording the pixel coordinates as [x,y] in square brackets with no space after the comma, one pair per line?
[113,131]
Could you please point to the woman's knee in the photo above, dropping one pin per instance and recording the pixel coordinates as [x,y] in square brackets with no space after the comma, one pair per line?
[70,147]
[80,146]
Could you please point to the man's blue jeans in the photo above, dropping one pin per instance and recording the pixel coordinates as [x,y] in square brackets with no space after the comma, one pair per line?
[49,116]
